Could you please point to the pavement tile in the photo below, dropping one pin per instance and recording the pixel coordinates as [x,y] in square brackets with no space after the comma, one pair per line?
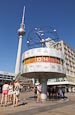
[29,106]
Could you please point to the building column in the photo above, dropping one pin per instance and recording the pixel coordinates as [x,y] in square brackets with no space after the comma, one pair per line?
[44,89]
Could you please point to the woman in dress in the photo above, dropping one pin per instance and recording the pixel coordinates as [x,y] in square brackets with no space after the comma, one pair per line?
[17,87]
[10,92]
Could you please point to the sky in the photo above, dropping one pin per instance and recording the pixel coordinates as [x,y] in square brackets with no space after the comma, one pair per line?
[59,14]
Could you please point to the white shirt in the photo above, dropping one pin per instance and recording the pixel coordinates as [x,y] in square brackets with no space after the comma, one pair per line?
[38,89]
[5,87]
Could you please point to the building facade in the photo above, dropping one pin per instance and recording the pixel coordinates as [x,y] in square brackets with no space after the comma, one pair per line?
[69,61]
[6,76]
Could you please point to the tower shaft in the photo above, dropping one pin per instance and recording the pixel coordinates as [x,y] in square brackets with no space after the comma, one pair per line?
[21,32]
[17,67]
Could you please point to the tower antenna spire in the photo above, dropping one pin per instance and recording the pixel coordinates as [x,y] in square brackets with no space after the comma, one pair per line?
[23,15]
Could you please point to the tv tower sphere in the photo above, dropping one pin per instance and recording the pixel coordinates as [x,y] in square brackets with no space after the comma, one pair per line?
[21,31]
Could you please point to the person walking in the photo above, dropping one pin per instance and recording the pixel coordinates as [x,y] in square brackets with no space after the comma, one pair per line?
[39,90]
[63,92]
[4,97]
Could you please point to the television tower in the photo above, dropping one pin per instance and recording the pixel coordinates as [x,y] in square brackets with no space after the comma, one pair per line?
[21,33]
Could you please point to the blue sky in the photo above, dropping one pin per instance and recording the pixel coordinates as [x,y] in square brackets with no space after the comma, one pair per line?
[59,14]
